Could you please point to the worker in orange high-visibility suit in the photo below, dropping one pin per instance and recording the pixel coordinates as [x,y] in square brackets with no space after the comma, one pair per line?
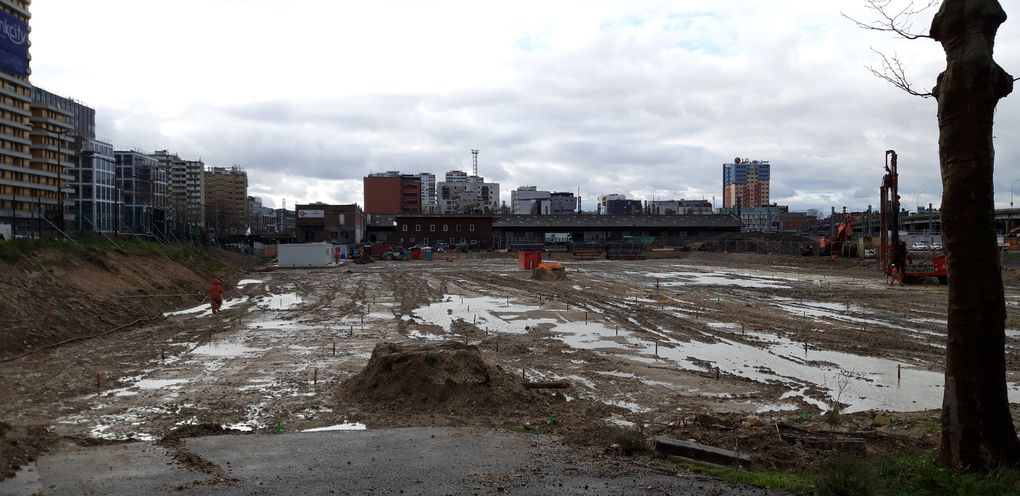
[216,295]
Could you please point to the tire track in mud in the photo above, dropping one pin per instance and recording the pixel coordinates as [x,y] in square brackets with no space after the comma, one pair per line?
[882,334]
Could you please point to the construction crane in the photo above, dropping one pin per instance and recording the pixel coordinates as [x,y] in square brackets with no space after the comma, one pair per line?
[889,202]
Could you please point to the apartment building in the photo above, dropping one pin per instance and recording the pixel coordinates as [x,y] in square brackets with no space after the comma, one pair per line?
[746,183]
[226,205]
[23,189]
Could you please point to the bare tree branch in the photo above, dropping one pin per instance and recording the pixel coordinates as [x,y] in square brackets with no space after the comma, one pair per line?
[899,23]
[892,71]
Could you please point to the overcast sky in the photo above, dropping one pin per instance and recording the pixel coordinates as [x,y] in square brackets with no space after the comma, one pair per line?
[646,98]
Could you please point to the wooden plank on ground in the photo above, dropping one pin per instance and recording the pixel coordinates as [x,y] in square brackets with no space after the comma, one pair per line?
[700,452]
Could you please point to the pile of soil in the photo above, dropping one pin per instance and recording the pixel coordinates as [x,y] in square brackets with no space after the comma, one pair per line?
[548,275]
[67,293]
[450,376]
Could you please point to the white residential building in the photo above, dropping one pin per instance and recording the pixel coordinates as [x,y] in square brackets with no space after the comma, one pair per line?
[464,194]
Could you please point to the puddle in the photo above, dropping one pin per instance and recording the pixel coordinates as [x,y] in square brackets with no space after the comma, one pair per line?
[160,383]
[206,308]
[427,337]
[279,324]
[719,278]
[285,301]
[346,426]
[841,312]
[862,382]
[485,312]
[224,349]
[245,282]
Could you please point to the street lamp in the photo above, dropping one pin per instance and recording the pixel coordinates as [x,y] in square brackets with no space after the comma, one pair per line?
[1009,219]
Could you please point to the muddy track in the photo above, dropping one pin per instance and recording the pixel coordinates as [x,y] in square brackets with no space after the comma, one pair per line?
[683,315]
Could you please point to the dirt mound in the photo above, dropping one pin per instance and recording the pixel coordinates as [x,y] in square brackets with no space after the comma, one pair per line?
[66,292]
[548,275]
[448,376]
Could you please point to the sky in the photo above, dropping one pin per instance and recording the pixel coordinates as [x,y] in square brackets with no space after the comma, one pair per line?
[644,98]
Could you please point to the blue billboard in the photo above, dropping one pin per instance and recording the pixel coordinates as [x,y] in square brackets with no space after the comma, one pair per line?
[13,45]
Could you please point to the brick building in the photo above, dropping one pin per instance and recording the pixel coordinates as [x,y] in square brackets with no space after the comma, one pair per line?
[393,193]
[472,230]
[321,222]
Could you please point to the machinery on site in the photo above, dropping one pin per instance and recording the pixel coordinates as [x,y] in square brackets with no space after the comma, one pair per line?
[838,245]
[913,270]
[1011,240]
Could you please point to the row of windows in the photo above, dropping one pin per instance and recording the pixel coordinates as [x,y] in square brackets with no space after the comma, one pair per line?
[25,177]
[446,227]
[9,86]
[425,241]
[14,131]
[15,147]
[23,193]
[11,116]
[10,101]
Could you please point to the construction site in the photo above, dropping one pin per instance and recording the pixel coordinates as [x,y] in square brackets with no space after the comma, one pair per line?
[779,359]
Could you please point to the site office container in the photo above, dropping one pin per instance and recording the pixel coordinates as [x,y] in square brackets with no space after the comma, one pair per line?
[305,255]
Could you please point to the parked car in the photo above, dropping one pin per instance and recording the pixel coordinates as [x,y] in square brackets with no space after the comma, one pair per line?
[921,245]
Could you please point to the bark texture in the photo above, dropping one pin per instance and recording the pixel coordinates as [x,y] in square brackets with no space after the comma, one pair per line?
[977,430]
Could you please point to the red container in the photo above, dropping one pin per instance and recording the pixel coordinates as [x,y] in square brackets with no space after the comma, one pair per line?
[379,249]
[528,260]
[416,254]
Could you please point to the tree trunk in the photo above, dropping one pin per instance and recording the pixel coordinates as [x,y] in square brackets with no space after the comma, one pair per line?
[977,429]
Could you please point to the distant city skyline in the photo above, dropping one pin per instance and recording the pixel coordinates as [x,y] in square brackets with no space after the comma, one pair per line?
[646,98]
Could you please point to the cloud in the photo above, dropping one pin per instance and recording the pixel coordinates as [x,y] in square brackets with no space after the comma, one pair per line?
[647,98]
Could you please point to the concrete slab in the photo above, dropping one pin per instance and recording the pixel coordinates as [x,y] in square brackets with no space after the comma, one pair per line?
[412,461]
[130,468]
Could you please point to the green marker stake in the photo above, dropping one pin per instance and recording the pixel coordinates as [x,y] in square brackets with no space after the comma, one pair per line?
[552,423]
[279,425]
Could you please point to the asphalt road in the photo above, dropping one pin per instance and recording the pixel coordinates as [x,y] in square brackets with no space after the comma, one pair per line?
[412,461]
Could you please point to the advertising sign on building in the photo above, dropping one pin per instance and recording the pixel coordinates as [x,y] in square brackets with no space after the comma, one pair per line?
[311,214]
[13,45]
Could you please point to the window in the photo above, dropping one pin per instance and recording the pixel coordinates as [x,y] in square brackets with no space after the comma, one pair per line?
[463,240]
[432,228]
[412,240]
[453,241]
[471,227]
[446,227]
[425,241]
[404,228]
[417,227]
[459,228]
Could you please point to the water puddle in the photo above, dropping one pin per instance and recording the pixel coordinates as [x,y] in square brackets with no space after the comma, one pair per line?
[160,383]
[205,309]
[494,314]
[284,301]
[245,282]
[225,349]
[346,426]
[672,279]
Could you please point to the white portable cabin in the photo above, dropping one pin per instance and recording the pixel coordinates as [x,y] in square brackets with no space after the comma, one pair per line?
[305,255]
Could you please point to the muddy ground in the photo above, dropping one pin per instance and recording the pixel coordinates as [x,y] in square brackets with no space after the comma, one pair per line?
[718,348]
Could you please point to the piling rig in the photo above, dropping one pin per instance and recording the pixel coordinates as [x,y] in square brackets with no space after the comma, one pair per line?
[935,264]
